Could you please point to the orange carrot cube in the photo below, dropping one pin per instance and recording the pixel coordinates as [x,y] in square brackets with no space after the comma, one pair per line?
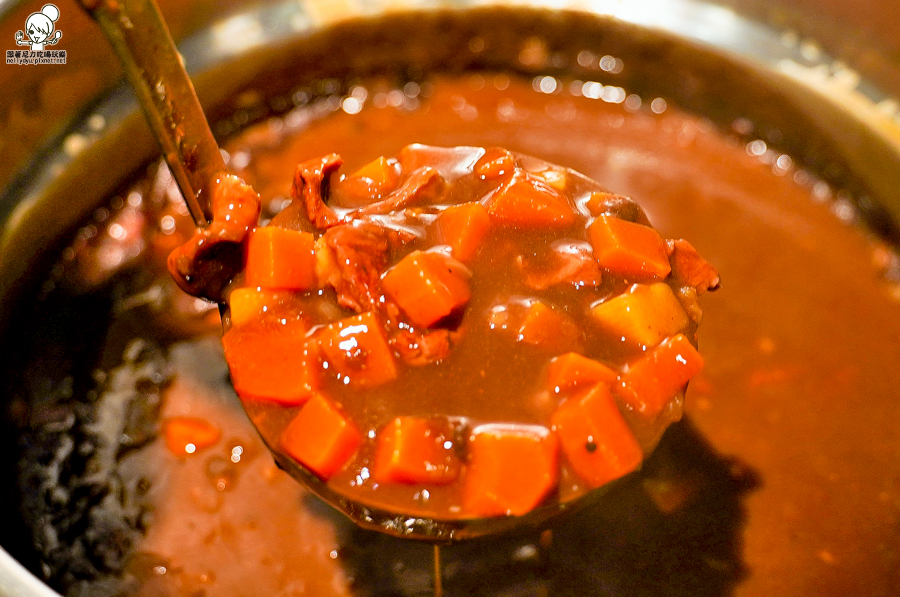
[628,249]
[372,181]
[186,435]
[573,370]
[246,305]
[321,437]
[654,379]
[428,286]
[280,259]
[495,162]
[645,314]
[596,440]
[356,349]
[416,450]
[598,202]
[381,171]
[511,469]
[526,201]
[463,227]
[547,328]
[557,178]
[272,361]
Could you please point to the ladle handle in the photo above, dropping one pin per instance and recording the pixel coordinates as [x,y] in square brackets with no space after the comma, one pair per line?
[154,68]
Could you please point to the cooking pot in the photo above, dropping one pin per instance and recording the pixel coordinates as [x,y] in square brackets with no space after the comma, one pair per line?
[817,80]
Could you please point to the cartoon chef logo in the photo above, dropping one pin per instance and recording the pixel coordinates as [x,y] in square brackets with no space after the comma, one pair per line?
[40,32]
[39,28]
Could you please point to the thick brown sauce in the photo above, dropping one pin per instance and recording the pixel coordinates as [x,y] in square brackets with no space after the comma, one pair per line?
[487,376]
[801,354]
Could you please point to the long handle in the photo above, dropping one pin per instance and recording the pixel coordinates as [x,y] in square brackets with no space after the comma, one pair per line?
[153,66]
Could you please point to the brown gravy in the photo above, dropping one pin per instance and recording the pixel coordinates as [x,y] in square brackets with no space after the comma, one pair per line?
[785,479]
[462,371]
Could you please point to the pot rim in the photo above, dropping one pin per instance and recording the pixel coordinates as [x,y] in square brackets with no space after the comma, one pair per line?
[18,581]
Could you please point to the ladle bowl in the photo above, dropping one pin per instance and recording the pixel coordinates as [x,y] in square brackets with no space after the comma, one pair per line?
[154,69]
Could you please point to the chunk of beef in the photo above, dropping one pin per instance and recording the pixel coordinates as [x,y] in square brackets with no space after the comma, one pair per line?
[689,268]
[308,189]
[361,251]
[421,185]
[205,264]
[423,348]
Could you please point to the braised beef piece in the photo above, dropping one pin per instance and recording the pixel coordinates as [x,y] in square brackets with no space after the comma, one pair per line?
[689,268]
[206,264]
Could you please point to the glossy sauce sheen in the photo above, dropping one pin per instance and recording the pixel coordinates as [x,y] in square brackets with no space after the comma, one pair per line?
[473,355]
[796,408]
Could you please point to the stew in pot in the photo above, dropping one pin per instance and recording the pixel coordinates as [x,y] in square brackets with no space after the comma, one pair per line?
[781,479]
[456,332]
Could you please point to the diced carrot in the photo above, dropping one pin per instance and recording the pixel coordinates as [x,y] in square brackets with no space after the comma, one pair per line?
[428,286]
[416,450]
[495,162]
[356,349]
[278,258]
[596,440]
[372,181]
[321,437]
[547,328]
[768,376]
[511,469]
[654,379]
[599,201]
[246,305]
[272,361]
[328,273]
[557,178]
[628,249]
[381,171]
[645,314]
[526,201]
[463,227]
[573,370]
[186,435]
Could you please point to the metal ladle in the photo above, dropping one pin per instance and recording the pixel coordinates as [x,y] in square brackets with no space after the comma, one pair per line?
[154,68]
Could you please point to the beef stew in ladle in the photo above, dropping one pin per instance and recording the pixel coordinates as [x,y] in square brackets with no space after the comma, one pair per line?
[445,343]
